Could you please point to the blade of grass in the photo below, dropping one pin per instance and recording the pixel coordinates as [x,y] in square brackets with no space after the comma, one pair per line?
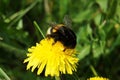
[36,25]
[4,74]
[23,12]
[18,52]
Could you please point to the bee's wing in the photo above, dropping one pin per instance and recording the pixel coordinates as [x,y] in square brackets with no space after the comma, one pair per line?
[52,24]
[67,21]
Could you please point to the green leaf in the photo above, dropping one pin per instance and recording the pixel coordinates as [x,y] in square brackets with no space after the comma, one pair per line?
[118,10]
[116,43]
[103,4]
[83,33]
[102,34]
[97,19]
[83,16]
[20,24]
[98,48]
[89,29]
[84,52]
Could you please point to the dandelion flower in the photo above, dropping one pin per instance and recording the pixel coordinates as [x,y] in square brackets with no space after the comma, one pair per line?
[50,55]
[98,78]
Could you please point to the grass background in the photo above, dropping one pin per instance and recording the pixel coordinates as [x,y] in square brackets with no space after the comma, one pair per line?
[95,22]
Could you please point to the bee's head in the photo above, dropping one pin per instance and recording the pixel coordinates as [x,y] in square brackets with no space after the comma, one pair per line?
[54,28]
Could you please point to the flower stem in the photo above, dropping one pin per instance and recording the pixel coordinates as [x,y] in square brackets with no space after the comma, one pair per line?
[35,23]
[93,70]
[57,78]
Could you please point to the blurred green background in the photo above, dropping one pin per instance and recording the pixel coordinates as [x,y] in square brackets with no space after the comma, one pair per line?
[95,22]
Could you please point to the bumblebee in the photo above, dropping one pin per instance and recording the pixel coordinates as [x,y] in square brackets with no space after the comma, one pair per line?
[62,33]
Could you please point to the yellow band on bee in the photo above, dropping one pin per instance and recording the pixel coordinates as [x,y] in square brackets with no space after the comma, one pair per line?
[57,27]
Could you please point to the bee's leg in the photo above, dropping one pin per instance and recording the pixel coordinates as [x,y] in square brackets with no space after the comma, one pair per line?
[55,39]
[48,36]
[64,49]
[54,42]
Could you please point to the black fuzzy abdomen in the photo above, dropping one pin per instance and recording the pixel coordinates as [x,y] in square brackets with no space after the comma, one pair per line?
[65,36]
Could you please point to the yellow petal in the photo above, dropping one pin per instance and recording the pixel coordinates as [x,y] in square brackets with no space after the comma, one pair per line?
[52,58]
